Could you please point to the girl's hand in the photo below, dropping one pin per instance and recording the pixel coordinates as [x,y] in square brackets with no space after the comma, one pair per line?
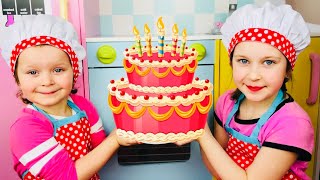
[122,141]
[183,142]
[205,134]
[206,131]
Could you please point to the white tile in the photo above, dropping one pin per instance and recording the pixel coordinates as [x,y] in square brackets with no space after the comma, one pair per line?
[203,23]
[221,6]
[105,7]
[275,2]
[143,7]
[122,25]
[184,6]
[233,1]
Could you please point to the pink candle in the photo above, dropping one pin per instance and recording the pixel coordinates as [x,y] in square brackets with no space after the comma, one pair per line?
[174,39]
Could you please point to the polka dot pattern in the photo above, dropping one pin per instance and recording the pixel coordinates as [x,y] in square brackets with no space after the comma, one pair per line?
[243,154]
[266,36]
[38,40]
[75,139]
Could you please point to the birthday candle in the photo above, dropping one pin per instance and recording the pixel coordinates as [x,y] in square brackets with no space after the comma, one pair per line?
[174,39]
[148,39]
[138,41]
[184,40]
[160,37]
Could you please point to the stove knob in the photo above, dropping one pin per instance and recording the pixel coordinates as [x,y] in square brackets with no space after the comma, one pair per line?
[200,49]
[106,54]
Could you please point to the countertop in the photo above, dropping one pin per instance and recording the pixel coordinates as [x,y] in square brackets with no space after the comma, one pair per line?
[167,38]
[314,32]
[191,37]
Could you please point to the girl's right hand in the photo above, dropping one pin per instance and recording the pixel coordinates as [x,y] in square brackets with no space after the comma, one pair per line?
[121,140]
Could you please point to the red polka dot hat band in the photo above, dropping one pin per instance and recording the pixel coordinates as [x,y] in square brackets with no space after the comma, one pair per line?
[277,25]
[38,40]
[265,36]
[35,30]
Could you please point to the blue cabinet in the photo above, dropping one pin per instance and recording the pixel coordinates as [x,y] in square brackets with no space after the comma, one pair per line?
[99,78]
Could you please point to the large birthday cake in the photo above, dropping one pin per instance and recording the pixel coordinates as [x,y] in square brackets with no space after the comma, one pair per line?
[160,101]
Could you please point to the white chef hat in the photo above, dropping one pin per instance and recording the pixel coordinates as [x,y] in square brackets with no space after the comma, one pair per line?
[34,30]
[279,26]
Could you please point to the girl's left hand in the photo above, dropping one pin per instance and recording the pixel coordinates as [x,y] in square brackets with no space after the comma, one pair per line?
[206,130]
[183,142]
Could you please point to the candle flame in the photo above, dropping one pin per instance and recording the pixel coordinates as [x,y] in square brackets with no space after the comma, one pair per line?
[175,29]
[146,29]
[160,23]
[135,31]
[184,32]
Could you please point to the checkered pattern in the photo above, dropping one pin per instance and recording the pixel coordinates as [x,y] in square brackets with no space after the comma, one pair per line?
[197,16]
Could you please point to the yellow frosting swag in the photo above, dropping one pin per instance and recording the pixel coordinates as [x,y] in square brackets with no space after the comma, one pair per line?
[157,74]
[160,117]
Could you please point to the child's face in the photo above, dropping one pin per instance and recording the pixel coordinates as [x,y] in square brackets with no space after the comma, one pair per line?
[45,76]
[259,70]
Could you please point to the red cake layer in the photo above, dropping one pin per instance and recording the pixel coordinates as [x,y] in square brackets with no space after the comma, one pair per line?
[170,111]
[147,124]
[155,71]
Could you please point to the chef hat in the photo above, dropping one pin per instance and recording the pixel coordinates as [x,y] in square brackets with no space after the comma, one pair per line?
[34,30]
[279,26]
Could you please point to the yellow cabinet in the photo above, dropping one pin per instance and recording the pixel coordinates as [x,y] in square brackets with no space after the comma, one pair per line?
[298,87]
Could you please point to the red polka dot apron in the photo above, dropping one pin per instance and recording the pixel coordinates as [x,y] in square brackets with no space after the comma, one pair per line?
[243,149]
[72,133]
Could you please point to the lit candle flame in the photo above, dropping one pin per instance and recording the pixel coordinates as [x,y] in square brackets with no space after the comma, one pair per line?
[160,23]
[184,32]
[135,31]
[146,29]
[175,29]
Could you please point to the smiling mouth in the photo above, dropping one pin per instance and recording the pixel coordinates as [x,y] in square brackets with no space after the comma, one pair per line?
[48,93]
[254,88]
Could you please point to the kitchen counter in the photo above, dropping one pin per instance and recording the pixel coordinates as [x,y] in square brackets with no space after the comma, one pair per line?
[168,37]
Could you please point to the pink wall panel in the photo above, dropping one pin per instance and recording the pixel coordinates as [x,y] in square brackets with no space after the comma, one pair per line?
[10,105]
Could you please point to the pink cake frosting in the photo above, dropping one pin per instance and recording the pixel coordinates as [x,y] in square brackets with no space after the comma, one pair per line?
[160,71]
[160,101]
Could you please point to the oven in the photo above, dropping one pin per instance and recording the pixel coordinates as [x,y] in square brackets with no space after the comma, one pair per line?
[146,161]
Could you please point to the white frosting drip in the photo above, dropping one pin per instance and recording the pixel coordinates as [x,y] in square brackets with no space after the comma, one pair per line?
[165,101]
[160,137]
[157,64]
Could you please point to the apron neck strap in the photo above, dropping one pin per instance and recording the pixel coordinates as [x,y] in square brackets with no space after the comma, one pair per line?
[253,138]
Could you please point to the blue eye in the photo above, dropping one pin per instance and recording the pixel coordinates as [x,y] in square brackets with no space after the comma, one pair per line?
[268,62]
[32,72]
[58,70]
[243,61]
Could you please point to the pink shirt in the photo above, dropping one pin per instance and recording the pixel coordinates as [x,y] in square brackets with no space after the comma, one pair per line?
[289,128]
[34,147]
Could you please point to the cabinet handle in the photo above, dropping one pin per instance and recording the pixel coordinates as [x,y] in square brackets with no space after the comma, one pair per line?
[315,76]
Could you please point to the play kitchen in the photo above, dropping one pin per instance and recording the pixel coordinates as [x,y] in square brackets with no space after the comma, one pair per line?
[105,28]
[163,161]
